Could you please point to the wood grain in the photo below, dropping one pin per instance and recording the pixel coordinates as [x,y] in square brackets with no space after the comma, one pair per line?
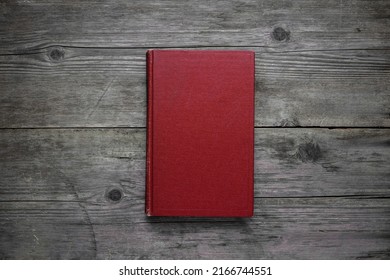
[319,194]
[307,24]
[42,164]
[72,128]
[283,228]
[73,87]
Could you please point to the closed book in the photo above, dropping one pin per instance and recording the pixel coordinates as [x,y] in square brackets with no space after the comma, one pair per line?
[200,133]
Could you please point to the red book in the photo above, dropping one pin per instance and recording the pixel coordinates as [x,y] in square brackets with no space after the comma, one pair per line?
[200,133]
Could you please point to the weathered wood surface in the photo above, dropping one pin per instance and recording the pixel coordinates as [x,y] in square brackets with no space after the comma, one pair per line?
[309,24]
[283,228]
[106,88]
[72,136]
[319,194]
[42,164]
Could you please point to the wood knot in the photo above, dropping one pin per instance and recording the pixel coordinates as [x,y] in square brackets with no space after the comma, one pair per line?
[279,34]
[56,54]
[114,195]
[308,152]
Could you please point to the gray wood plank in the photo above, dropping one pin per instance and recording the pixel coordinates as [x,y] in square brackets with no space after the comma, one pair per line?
[283,228]
[306,24]
[321,162]
[79,193]
[26,232]
[44,164]
[76,87]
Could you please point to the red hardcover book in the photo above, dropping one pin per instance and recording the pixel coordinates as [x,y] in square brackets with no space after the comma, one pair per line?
[200,133]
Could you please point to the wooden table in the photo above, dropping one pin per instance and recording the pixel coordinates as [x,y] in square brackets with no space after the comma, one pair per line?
[72,137]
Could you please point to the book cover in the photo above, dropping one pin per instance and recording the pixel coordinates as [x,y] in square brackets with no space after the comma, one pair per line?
[200,133]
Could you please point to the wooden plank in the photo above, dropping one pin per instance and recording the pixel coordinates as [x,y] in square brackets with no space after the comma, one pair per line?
[25,233]
[79,193]
[285,228]
[73,87]
[45,164]
[282,228]
[303,24]
[321,162]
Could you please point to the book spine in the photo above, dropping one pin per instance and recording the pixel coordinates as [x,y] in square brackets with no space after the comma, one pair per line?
[149,136]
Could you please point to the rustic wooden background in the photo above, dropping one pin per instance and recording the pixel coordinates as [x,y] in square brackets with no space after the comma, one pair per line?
[72,128]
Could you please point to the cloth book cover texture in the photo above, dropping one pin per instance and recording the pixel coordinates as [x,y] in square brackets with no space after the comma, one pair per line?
[200,133]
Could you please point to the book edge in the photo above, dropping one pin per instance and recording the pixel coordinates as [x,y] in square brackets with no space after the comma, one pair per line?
[149,138]
[252,175]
